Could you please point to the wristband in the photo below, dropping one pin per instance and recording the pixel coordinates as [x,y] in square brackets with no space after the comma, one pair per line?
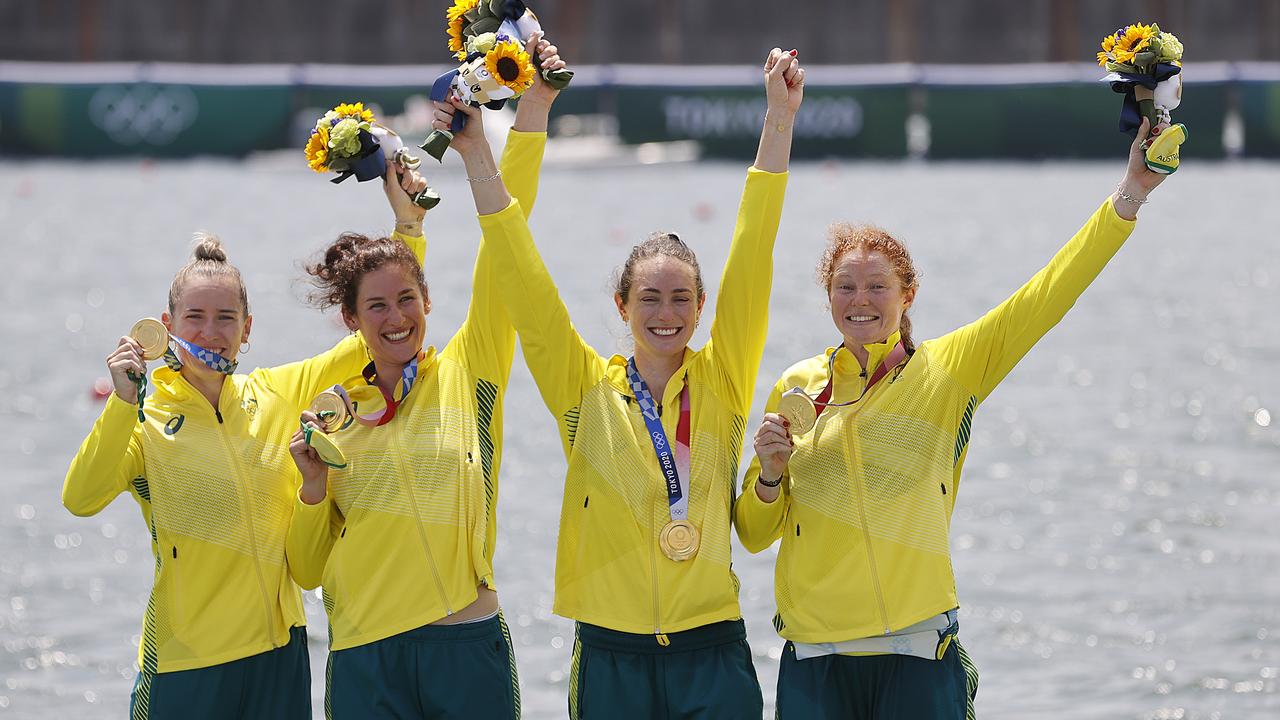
[760,479]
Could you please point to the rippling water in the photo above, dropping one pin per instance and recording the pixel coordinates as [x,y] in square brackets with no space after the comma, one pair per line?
[1115,540]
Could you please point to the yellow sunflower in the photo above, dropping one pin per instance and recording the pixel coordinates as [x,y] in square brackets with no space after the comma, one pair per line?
[318,150]
[1136,38]
[354,110]
[455,22]
[510,65]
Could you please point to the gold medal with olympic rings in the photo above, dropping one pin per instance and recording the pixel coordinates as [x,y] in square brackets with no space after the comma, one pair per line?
[679,540]
[153,336]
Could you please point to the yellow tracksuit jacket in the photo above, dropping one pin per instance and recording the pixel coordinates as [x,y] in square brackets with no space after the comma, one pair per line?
[866,505]
[609,569]
[406,532]
[216,487]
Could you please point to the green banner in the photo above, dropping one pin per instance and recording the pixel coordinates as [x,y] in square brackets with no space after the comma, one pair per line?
[150,119]
[1260,110]
[867,122]
[972,113]
[1052,121]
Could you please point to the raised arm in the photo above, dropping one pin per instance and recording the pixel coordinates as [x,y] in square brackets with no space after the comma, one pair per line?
[982,353]
[560,361]
[487,337]
[742,308]
[111,456]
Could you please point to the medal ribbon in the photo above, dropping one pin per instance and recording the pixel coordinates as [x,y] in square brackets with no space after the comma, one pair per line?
[141,380]
[674,465]
[891,361]
[211,359]
[373,417]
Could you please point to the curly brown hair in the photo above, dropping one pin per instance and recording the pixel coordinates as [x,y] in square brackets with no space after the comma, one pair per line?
[337,276]
[208,260]
[843,237]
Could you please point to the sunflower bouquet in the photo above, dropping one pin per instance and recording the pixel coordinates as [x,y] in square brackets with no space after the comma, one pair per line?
[1144,64]
[488,37]
[349,141]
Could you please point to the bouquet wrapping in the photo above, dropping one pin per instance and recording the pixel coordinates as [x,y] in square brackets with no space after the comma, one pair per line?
[349,141]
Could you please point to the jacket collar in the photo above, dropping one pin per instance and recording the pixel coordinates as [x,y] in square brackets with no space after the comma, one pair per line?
[616,375]
[876,352]
[171,386]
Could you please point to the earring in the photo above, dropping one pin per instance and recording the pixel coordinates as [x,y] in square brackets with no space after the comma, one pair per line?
[244,347]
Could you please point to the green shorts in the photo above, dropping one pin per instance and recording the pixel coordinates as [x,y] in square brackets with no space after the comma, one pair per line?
[435,671]
[877,687]
[273,684]
[704,673]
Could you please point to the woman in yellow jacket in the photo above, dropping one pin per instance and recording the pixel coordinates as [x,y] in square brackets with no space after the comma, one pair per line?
[863,498]
[402,535]
[643,556]
[205,458]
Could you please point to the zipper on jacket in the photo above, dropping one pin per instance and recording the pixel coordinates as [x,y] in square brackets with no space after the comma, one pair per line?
[417,517]
[243,492]
[866,534]
[658,635]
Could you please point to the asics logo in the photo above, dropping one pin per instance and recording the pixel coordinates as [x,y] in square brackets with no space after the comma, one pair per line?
[174,425]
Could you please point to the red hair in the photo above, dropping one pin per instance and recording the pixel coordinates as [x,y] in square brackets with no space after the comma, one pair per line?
[843,237]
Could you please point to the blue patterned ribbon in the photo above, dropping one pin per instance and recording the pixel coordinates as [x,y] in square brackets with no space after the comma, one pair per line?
[211,359]
[674,462]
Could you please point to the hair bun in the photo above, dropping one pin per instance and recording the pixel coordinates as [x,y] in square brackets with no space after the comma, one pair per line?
[209,247]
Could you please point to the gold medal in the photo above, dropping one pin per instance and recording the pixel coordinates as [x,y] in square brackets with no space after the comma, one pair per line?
[799,410]
[331,409]
[326,449]
[153,336]
[679,540]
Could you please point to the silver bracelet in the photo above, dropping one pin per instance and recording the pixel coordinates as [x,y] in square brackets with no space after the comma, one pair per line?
[497,174]
[1129,198]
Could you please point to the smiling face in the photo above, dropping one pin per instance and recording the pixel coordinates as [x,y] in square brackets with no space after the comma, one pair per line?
[867,297]
[391,313]
[662,306]
[208,312]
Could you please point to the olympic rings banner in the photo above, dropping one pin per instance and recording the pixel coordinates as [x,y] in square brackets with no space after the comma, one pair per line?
[885,111]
